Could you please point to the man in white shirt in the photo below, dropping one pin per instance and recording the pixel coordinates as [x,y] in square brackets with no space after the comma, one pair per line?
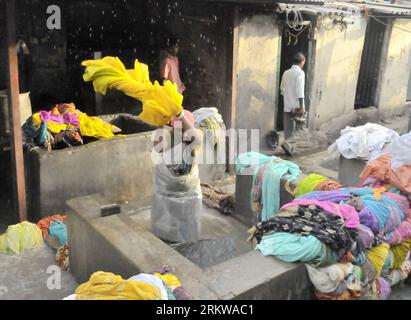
[292,89]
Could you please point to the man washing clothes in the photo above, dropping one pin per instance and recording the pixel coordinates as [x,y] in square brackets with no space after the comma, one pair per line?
[169,63]
[292,89]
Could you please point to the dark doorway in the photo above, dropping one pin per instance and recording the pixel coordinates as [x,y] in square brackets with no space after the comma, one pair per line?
[292,42]
[370,68]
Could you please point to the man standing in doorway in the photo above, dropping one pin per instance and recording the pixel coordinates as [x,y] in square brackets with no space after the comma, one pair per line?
[169,64]
[292,89]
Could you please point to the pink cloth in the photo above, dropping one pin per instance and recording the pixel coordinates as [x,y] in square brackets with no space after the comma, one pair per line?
[48,116]
[170,70]
[66,118]
[401,201]
[348,213]
[402,233]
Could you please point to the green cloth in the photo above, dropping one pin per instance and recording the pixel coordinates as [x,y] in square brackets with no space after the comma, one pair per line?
[309,183]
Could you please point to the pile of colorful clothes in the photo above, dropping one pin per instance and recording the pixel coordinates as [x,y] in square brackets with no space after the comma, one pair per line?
[63,126]
[355,241]
[391,168]
[161,285]
[55,226]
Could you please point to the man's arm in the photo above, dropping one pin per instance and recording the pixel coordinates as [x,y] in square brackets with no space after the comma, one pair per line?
[282,86]
[300,91]
[165,70]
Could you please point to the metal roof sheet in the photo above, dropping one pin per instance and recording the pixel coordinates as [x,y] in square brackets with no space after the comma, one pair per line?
[385,8]
[328,9]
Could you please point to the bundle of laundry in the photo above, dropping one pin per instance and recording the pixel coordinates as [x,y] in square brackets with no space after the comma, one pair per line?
[55,226]
[20,237]
[355,241]
[63,126]
[161,103]
[380,172]
[381,211]
[363,142]
[399,149]
[144,286]
[210,121]
[268,172]
[308,233]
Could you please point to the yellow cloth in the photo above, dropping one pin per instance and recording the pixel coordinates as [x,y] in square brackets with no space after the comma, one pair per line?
[19,237]
[55,127]
[160,102]
[378,256]
[170,279]
[110,73]
[378,193]
[36,119]
[308,184]
[400,252]
[108,286]
[94,127]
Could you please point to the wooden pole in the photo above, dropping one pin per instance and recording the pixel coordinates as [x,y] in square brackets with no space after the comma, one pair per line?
[233,113]
[19,185]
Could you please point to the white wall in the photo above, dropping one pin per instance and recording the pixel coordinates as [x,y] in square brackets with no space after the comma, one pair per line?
[257,68]
[396,70]
[336,69]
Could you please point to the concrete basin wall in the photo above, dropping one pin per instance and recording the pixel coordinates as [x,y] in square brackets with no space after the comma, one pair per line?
[120,245]
[119,168]
[349,171]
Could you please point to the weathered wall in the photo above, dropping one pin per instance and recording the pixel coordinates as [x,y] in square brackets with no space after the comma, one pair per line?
[257,69]
[337,65]
[396,70]
[203,32]
[120,168]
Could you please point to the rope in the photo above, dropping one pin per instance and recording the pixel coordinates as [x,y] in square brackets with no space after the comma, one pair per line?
[297,23]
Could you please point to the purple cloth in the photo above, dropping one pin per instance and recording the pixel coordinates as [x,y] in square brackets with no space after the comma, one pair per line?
[67,118]
[393,221]
[71,118]
[366,235]
[368,219]
[48,116]
[332,196]
[384,288]
[401,201]
[402,233]
[346,212]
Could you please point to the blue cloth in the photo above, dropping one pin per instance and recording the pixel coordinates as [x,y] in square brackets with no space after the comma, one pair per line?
[386,211]
[270,186]
[253,160]
[291,247]
[59,230]
[39,135]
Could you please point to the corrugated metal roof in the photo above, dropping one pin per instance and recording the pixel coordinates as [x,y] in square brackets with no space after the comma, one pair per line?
[385,8]
[328,9]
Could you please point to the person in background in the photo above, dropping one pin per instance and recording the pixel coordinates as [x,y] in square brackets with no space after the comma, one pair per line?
[292,89]
[169,63]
